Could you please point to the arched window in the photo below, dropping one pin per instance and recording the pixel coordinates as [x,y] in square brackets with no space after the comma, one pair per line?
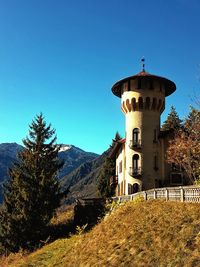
[140,102]
[133,102]
[132,189]
[136,136]
[135,188]
[135,162]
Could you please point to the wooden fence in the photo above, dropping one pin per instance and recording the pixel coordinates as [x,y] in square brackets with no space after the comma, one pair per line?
[181,193]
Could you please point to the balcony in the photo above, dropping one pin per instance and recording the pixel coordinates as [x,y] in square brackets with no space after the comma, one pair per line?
[135,144]
[135,171]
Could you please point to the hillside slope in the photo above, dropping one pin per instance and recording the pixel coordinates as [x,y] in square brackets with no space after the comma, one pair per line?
[153,234]
[83,180]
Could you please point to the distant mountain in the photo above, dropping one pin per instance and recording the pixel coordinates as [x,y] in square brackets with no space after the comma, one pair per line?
[72,156]
[83,180]
[8,152]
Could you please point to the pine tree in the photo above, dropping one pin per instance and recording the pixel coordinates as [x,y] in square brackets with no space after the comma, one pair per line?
[33,192]
[108,171]
[173,122]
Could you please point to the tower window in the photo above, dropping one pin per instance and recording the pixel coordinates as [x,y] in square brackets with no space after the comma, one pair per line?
[135,170]
[136,136]
[135,162]
[140,102]
[133,102]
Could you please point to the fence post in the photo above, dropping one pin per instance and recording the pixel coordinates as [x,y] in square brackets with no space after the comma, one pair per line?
[145,195]
[155,194]
[166,194]
[182,194]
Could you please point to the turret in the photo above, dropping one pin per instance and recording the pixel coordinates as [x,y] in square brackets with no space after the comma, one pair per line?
[142,101]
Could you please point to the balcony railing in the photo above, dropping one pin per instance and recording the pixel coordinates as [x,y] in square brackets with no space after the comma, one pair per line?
[135,144]
[135,171]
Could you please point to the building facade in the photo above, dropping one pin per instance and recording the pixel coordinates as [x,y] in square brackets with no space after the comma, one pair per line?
[140,157]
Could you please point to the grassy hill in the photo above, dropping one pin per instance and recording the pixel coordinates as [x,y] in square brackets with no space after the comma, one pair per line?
[153,233]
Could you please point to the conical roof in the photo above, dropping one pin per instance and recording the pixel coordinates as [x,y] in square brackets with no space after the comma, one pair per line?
[170,86]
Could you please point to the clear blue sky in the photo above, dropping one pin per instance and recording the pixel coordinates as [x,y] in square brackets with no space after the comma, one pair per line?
[61,58]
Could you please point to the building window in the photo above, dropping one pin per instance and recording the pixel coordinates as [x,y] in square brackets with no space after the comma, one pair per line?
[140,103]
[136,135]
[120,167]
[135,142]
[135,170]
[135,188]
[132,189]
[136,162]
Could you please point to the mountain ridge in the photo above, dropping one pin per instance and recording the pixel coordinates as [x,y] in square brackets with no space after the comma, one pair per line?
[72,156]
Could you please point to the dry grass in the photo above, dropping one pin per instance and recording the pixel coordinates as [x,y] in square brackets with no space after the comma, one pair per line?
[63,215]
[153,233]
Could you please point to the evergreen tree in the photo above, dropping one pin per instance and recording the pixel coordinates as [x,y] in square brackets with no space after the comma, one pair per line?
[173,122]
[32,193]
[108,171]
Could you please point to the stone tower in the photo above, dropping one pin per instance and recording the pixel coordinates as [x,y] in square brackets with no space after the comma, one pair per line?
[142,102]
